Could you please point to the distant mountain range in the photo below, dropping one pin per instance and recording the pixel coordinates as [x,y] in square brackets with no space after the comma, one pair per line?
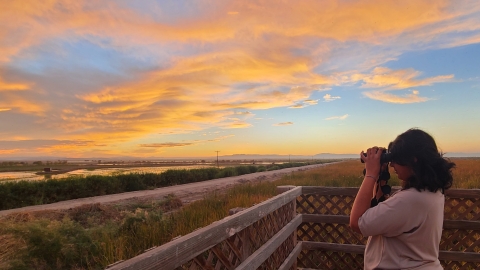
[223,157]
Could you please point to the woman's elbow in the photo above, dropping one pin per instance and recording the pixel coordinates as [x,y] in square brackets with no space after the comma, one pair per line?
[354,225]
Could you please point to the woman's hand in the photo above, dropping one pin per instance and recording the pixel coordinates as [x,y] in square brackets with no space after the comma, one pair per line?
[372,161]
[364,195]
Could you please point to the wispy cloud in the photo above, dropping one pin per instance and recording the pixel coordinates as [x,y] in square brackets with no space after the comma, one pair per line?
[5,86]
[47,147]
[411,97]
[165,145]
[245,113]
[311,101]
[283,124]
[297,106]
[9,151]
[183,144]
[388,80]
[343,117]
[237,124]
[398,79]
[304,103]
[328,98]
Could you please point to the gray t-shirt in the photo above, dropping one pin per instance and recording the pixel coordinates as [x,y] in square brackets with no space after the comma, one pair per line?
[404,231]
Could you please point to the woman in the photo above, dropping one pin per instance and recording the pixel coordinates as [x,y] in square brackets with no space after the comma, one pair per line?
[405,230]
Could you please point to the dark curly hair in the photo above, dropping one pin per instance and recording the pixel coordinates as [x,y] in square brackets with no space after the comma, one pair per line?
[417,149]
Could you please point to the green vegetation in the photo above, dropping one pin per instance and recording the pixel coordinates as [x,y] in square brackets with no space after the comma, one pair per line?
[26,193]
[9,166]
[94,236]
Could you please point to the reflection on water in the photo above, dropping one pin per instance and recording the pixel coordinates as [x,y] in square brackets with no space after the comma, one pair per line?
[31,176]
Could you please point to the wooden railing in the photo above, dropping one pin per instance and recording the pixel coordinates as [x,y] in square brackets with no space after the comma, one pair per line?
[305,227]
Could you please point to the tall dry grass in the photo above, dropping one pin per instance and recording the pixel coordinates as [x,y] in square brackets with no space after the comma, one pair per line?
[467,173]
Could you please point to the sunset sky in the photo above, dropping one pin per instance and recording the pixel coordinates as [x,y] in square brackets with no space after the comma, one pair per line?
[175,78]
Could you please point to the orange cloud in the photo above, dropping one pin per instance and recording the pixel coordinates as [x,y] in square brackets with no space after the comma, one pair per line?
[297,106]
[182,144]
[9,151]
[46,147]
[12,102]
[196,91]
[165,145]
[14,96]
[366,20]
[397,79]
[237,124]
[4,86]
[390,80]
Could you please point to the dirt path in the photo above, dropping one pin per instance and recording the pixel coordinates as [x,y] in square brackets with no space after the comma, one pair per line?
[187,192]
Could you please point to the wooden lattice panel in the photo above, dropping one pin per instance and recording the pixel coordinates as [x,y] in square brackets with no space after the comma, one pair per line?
[459,205]
[231,252]
[460,240]
[462,208]
[455,265]
[261,231]
[320,259]
[280,254]
[330,233]
[225,255]
[324,205]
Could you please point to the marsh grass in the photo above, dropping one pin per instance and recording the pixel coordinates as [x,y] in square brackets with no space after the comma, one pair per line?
[26,193]
[94,236]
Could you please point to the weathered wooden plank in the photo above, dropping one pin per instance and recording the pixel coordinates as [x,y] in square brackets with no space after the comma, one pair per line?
[462,224]
[352,191]
[343,219]
[456,256]
[459,256]
[463,193]
[335,219]
[183,249]
[292,257]
[347,191]
[347,248]
[281,189]
[264,252]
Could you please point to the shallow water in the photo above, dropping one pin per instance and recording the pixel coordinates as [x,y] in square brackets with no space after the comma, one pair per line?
[31,176]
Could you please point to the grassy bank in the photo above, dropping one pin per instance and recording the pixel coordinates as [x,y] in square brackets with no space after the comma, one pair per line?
[93,236]
[27,193]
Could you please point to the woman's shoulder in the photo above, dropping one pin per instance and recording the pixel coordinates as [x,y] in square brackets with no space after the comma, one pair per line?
[416,196]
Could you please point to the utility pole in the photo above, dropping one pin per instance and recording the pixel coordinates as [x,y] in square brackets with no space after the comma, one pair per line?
[217,158]
[289,160]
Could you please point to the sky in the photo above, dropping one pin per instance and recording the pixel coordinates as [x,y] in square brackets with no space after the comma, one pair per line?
[187,78]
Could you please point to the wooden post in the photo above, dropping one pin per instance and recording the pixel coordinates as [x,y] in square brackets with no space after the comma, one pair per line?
[295,242]
[246,247]
[243,235]
[282,189]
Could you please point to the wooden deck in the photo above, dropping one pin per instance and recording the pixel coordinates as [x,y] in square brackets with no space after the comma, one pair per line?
[305,228]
